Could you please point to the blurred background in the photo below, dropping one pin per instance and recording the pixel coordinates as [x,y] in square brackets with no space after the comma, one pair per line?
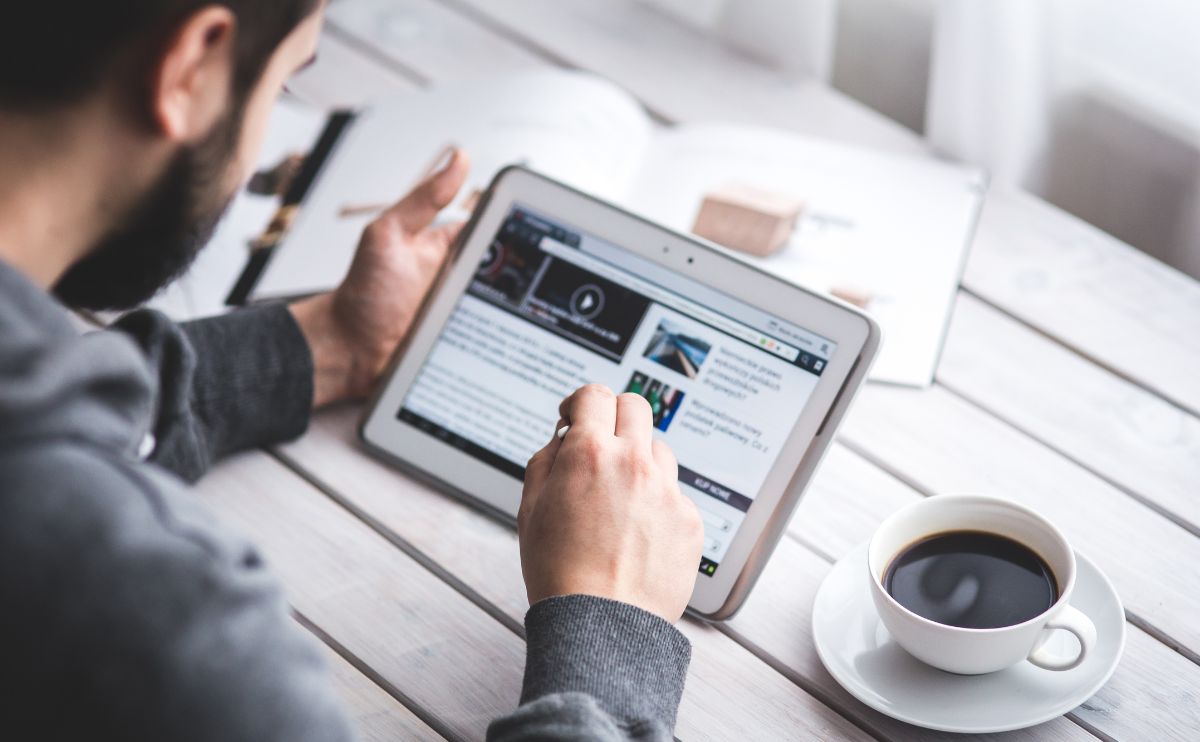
[1091,107]
[1094,106]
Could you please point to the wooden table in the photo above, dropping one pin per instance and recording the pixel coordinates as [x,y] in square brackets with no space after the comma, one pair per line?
[1070,381]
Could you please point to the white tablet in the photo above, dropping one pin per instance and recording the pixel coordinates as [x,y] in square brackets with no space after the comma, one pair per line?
[549,289]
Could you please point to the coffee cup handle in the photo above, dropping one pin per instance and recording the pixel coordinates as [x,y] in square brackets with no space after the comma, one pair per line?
[1068,619]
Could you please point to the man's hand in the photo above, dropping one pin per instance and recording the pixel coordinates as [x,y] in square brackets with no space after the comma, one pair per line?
[354,330]
[602,513]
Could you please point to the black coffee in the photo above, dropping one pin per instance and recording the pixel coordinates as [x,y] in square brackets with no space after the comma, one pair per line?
[971,579]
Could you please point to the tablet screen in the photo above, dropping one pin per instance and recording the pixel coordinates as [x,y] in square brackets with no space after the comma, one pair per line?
[551,308]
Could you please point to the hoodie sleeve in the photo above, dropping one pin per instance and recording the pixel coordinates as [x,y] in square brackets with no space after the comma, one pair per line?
[597,669]
[225,384]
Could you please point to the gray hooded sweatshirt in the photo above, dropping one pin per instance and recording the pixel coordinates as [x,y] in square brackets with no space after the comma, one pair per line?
[127,613]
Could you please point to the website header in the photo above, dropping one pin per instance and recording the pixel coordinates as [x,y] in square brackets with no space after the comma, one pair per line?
[667,298]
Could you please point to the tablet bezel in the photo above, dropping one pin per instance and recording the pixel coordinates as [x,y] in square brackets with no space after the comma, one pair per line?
[857,337]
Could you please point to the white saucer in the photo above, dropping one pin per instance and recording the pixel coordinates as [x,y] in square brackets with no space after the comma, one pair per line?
[862,657]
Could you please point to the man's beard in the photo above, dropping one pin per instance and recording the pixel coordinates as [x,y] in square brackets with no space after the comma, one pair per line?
[161,236]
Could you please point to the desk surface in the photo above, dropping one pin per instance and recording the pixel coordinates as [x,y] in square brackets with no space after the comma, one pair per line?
[1070,381]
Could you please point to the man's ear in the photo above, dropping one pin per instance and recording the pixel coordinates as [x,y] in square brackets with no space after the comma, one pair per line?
[190,84]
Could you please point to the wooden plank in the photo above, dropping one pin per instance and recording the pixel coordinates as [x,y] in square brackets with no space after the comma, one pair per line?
[629,43]
[1119,430]
[426,42]
[842,508]
[445,655]
[344,77]
[1152,695]
[939,443]
[844,503]
[377,716]
[730,693]
[1101,297]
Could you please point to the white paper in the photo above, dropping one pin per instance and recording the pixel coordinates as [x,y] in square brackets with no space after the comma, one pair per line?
[571,126]
[895,227]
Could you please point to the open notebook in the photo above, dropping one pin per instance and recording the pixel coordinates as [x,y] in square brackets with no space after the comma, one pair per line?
[891,231]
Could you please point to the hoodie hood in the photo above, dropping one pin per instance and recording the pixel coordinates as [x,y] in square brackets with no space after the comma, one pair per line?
[56,383]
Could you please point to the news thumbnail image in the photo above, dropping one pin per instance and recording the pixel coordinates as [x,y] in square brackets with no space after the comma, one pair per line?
[510,263]
[664,400]
[677,350]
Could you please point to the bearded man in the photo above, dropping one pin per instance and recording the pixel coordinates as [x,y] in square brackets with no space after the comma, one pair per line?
[126,612]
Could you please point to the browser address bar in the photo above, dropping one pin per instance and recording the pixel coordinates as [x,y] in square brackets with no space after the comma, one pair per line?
[666,298]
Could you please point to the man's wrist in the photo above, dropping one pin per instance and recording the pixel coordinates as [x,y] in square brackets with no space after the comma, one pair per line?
[337,372]
[631,661]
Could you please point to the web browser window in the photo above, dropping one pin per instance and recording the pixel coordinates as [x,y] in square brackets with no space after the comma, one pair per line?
[551,309]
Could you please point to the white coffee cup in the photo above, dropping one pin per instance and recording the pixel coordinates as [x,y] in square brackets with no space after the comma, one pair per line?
[971,651]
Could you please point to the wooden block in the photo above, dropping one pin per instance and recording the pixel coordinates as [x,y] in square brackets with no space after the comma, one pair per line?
[749,219]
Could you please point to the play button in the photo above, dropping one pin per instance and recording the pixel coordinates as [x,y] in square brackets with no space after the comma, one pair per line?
[587,301]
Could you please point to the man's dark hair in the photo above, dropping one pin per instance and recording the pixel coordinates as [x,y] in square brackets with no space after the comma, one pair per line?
[54,53]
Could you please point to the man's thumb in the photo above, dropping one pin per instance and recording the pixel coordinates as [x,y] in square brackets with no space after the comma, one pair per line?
[420,207]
